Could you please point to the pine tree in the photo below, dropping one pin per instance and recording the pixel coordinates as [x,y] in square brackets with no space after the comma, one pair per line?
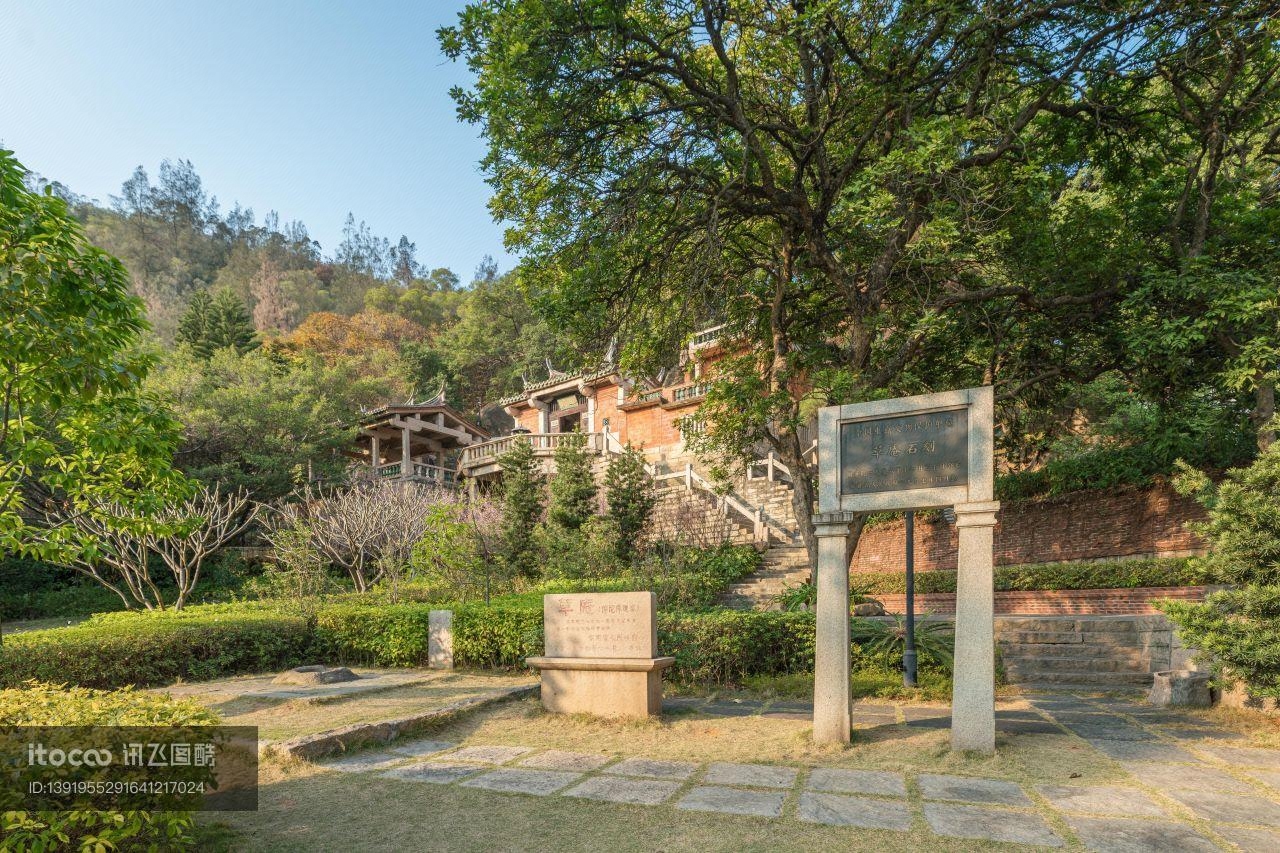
[631,496]
[573,488]
[229,324]
[194,325]
[522,503]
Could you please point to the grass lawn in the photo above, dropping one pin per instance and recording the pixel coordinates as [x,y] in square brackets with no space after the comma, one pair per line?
[18,627]
[307,807]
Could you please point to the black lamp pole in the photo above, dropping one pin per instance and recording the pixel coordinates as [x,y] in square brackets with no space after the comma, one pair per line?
[909,647]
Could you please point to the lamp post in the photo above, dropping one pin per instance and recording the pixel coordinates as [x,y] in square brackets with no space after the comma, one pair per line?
[909,645]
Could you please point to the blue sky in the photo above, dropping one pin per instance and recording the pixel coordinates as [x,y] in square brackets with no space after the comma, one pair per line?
[313,109]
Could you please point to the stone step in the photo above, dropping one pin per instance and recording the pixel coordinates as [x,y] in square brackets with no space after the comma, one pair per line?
[1103,679]
[1076,665]
[1034,651]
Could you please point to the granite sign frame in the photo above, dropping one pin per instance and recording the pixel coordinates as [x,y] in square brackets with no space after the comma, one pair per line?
[924,452]
[971,411]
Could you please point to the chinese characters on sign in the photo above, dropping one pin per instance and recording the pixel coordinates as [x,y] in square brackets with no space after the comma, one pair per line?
[612,625]
[922,451]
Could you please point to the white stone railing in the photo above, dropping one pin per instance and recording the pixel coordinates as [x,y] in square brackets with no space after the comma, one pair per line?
[544,444]
[774,468]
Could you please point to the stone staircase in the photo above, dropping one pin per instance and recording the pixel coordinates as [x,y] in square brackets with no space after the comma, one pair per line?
[784,565]
[1097,652]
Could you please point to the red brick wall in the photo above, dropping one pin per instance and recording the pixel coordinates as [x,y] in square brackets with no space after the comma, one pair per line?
[1055,602]
[1124,522]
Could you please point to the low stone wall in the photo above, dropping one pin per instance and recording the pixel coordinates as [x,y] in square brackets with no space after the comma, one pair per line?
[1057,602]
[1098,652]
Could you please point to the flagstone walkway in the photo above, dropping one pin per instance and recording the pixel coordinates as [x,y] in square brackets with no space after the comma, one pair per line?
[1188,790]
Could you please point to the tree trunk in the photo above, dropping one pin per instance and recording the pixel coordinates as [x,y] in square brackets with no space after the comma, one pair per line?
[1264,412]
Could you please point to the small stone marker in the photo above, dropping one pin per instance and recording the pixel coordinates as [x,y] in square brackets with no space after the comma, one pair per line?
[440,639]
[601,654]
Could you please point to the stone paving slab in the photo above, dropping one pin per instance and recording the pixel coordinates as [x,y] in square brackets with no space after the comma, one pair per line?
[434,772]
[1250,840]
[488,754]
[957,821]
[419,748]
[1102,800]
[837,810]
[881,782]
[513,780]
[733,801]
[750,775]
[1168,777]
[1270,777]
[1020,727]
[362,761]
[1120,731]
[1199,734]
[556,759]
[653,768]
[726,710]
[1138,750]
[1268,759]
[971,790]
[1230,808]
[1116,835]
[619,789]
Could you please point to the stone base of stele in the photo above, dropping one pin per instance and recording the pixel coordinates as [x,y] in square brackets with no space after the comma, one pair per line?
[604,687]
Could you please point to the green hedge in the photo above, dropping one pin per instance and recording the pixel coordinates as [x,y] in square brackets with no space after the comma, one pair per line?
[118,649]
[1118,574]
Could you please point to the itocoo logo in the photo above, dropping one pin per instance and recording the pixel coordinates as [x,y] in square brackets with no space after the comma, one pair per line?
[39,754]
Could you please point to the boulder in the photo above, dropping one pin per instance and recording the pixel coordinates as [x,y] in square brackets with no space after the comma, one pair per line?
[868,608]
[309,676]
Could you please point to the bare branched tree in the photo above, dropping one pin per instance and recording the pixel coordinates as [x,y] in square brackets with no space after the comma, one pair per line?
[187,533]
[117,558]
[368,529]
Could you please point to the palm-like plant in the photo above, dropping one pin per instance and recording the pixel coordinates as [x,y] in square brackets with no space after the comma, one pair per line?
[935,641]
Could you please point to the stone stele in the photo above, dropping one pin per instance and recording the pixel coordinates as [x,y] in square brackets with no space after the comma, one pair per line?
[601,654]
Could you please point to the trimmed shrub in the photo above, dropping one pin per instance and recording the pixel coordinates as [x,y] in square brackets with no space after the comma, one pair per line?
[118,649]
[36,704]
[1119,574]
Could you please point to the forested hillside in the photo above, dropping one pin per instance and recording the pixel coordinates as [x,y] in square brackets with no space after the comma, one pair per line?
[267,345]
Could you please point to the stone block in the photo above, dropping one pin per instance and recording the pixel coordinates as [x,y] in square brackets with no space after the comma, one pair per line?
[617,789]
[434,772]
[1102,800]
[750,775]
[440,639]
[733,801]
[488,754]
[1178,689]
[990,824]
[1230,808]
[864,812]
[880,782]
[653,768]
[513,780]
[1116,835]
[555,759]
[971,790]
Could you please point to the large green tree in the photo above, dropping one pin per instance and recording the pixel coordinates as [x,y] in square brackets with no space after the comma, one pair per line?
[77,429]
[850,187]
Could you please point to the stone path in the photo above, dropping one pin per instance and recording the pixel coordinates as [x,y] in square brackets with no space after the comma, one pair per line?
[1182,795]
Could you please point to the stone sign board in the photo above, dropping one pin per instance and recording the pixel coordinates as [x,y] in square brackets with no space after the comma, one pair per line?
[922,452]
[600,625]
